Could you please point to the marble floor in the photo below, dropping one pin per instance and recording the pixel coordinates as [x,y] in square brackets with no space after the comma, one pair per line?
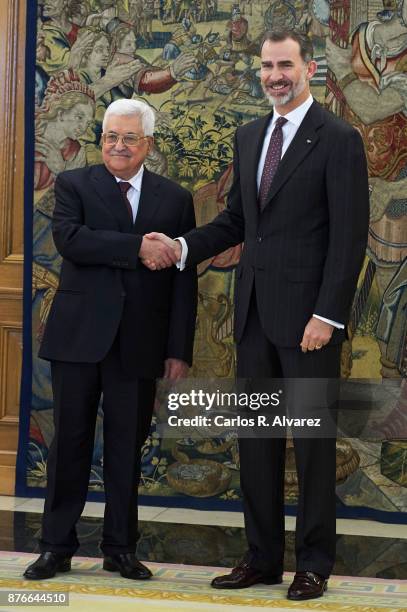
[173,535]
[163,514]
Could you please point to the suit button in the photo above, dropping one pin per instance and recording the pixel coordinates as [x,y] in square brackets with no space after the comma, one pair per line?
[259,238]
[123,294]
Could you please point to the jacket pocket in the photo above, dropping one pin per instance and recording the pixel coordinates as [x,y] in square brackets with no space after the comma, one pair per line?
[70,291]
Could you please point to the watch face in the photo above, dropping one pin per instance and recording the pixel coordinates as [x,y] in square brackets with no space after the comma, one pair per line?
[321,10]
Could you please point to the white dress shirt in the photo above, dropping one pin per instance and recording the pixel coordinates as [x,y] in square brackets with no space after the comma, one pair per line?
[294,120]
[133,194]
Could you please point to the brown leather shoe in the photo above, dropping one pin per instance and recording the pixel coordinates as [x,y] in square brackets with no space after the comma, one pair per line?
[243,576]
[307,585]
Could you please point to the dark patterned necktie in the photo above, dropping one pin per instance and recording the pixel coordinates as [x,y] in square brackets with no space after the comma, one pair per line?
[124,187]
[272,160]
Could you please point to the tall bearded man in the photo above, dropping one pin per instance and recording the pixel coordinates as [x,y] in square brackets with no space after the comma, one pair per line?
[299,201]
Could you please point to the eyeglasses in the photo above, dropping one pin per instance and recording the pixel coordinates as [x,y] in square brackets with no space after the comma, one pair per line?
[129,140]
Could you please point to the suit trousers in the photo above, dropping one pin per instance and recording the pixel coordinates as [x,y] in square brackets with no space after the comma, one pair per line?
[127,411]
[262,463]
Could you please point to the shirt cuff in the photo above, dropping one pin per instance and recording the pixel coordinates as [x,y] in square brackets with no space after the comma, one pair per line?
[334,323]
[184,253]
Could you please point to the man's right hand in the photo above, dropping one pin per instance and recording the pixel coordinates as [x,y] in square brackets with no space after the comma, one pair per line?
[158,251]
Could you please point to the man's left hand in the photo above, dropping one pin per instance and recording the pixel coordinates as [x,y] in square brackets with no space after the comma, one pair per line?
[175,369]
[317,333]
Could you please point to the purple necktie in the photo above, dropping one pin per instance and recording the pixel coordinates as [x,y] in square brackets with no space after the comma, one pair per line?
[124,187]
[272,160]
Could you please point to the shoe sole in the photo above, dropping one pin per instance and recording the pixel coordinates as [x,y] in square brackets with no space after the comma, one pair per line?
[268,581]
[308,596]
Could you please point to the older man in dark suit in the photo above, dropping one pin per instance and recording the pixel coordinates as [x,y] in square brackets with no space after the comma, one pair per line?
[114,327]
[299,201]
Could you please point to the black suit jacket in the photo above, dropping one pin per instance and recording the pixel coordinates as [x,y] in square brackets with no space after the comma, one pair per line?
[303,253]
[104,285]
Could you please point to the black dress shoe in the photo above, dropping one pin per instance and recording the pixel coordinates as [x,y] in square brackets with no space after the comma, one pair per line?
[128,565]
[307,585]
[47,565]
[244,576]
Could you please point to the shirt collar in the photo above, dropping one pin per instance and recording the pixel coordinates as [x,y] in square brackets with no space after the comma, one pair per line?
[136,180]
[297,115]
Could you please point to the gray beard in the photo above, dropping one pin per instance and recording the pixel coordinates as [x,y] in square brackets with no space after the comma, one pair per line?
[280,100]
[283,100]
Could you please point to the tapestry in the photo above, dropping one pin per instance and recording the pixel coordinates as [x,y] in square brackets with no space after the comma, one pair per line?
[196,63]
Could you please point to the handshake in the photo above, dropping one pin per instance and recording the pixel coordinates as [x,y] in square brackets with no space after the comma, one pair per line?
[157,251]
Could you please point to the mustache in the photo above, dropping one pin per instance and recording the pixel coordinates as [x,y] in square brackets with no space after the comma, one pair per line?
[119,155]
[281,82]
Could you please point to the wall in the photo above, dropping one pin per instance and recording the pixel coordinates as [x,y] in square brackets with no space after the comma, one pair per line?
[12,47]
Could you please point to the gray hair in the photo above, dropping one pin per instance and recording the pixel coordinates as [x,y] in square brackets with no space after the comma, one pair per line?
[132,107]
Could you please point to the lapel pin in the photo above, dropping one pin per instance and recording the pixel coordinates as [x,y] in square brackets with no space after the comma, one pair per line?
[309,141]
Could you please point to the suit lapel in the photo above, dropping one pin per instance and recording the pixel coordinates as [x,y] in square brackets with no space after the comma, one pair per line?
[302,144]
[109,193]
[148,204]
